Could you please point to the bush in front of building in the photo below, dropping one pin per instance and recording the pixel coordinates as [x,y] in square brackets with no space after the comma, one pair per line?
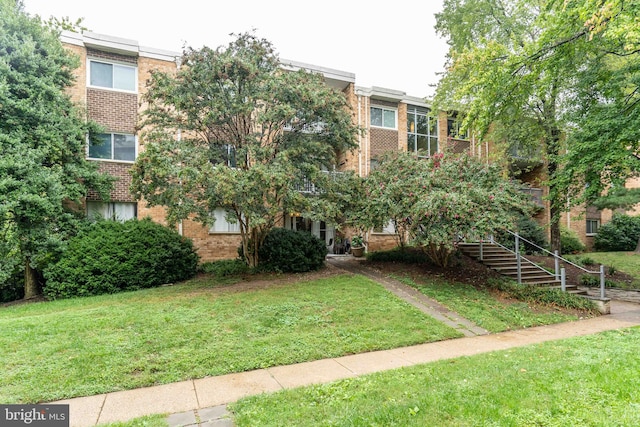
[619,234]
[111,256]
[12,285]
[225,267]
[570,242]
[403,255]
[291,251]
[529,230]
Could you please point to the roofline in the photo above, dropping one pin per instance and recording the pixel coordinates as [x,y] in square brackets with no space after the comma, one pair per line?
[329,73]
[117,45]
[392,95]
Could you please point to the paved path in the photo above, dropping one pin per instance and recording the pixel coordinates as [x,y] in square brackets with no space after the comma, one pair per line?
[614,293]
[203,401]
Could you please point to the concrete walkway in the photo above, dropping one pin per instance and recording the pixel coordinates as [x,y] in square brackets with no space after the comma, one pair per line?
[203,401]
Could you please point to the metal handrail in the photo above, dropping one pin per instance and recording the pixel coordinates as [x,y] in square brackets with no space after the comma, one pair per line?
[559,272]
[555,255]
[562,270]
[492,240]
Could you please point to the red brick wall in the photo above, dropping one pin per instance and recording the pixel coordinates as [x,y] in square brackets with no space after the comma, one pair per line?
[383,140]
[211,247]
[120,192]
[116,111]
[77,91]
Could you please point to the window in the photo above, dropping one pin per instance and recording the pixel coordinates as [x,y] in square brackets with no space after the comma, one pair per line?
[422,131]
[221,225]
[383,117]
[592,226]
[453,129]
[389,228]
[112,76]
[113,146]
[118,211]
[228,155]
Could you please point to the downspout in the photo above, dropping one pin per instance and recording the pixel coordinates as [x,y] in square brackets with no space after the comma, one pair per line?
[359,135]
[180,229]
[368,138]
[178,64]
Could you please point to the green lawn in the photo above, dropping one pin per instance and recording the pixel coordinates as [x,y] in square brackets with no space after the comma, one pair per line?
[86,346]
[482,308]
[627,262]
[586,381]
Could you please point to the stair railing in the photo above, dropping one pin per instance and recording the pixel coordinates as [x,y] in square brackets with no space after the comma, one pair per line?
[518,256]
[557,258]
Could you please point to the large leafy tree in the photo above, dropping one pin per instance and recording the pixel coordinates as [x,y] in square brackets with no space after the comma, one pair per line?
[604,143]
[560,75]
[43,170]
[441,200]
[232,129]
[514,68]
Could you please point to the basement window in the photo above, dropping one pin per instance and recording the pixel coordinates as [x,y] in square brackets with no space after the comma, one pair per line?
[592,227]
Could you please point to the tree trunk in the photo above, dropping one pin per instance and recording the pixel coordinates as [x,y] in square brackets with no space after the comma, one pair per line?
[557,199]
[31,286]
[638,246]
[554,228]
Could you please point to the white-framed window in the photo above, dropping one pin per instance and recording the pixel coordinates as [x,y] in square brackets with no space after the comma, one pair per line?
[384,117]
[113,146]
[389,228]
[221,224]
[111,75]
[592,226]
[117,211]
[422,131]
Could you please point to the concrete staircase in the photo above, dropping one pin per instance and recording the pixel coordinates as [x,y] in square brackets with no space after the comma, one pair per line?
[504,262]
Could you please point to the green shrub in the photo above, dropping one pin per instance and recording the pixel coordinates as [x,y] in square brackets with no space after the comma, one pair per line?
[534,293]
[12,285]
[592,280]
[584,261]
[619,234]
[287,251]
[225,267]
[111,256]
[528,229]
[569,242]
[589,280]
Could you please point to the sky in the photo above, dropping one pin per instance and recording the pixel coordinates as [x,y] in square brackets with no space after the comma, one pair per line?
[385,46]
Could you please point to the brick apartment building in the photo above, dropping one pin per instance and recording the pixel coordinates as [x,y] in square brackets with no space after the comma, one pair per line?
[111,80]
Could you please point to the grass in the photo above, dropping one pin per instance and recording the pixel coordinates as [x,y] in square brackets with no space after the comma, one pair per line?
[586,381]
[158,420]
[87,346]
[481,307]
[626,262]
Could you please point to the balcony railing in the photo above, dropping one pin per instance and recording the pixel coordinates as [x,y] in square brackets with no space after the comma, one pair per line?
[309,187]
[535,194]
